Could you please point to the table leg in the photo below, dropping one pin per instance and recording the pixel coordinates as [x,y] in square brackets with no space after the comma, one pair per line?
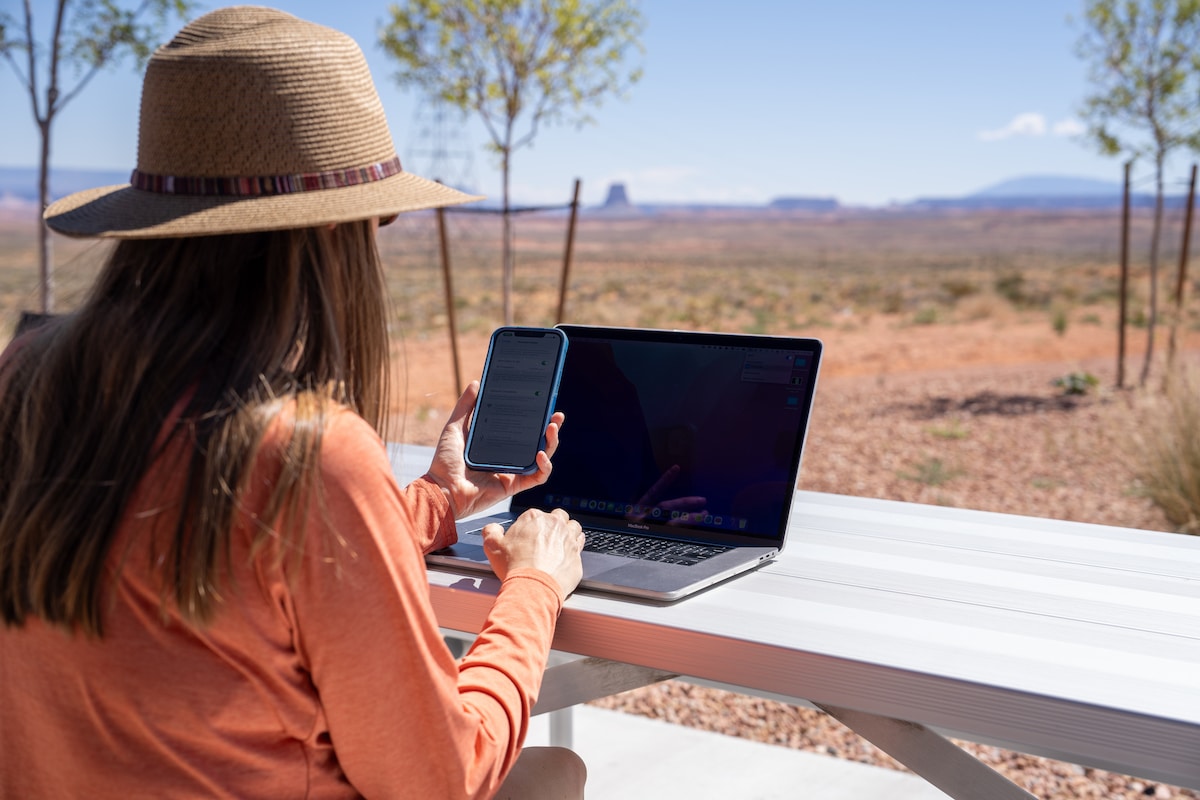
[583,679]
[571,680]
[930,755]
[562,727]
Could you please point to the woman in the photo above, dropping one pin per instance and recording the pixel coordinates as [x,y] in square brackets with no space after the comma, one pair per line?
[211,584]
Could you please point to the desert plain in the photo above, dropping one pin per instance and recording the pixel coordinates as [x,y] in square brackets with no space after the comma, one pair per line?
[951,341]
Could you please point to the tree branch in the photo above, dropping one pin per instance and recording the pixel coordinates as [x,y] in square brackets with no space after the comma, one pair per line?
[31,52]
[55,53]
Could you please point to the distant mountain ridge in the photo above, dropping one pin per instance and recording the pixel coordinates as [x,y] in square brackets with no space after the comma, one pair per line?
[1047,193]
[22,182]
[19,185]
[1050,186]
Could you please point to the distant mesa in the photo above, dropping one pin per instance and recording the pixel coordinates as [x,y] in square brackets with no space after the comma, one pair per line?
[616,204]
[805,204]
[618,198]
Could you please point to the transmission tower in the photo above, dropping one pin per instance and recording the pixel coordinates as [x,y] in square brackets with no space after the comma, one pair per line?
[441,150]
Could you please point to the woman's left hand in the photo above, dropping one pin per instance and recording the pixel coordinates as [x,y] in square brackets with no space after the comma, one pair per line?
[468,490]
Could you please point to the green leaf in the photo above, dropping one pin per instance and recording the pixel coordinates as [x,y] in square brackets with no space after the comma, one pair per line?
[1144,74]
[515,63]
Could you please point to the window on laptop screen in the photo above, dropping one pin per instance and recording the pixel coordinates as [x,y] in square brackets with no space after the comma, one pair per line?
[698,436]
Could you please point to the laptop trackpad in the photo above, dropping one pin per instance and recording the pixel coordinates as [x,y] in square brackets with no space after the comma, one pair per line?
[595,564]
[465,554]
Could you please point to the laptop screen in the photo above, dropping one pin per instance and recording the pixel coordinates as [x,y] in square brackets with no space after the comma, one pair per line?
[686,433]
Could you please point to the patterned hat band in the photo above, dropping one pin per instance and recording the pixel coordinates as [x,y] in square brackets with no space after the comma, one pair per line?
[264,185]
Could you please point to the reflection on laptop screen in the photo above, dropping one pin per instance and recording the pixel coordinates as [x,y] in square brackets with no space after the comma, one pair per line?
[701,435]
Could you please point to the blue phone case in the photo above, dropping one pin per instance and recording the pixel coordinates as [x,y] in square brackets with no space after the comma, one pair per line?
[486,452]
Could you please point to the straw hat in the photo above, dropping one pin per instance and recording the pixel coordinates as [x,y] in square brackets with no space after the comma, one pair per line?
[254,120]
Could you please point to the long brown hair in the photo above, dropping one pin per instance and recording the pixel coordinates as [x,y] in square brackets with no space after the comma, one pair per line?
[233,324]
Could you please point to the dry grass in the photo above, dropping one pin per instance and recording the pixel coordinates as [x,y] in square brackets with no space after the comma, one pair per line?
[750,272]
[1164,444]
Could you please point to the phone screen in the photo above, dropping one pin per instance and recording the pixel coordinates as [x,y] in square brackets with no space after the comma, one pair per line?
[516,399]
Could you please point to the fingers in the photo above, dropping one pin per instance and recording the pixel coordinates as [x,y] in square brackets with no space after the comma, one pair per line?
[536,478]
[542,459]
[493,535]
[466,402]
[556,421]
[573,526]
[550,542]
[493,548]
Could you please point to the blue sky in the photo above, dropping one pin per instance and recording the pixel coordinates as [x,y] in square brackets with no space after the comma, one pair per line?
[871,102]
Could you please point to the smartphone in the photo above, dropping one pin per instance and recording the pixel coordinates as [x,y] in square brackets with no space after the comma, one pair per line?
[516,399]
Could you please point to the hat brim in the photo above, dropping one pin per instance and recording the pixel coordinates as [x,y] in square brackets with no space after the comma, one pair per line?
[123,212]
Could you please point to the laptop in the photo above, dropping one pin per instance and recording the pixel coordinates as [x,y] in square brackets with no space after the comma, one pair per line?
[679,457]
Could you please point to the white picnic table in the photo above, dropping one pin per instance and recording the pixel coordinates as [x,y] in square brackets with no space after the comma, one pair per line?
[912,623]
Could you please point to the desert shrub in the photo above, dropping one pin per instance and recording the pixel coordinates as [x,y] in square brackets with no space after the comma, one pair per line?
[761,323]
[953,429]
[931,472]
[1022,292]
[926,316]
[1077,382]
[979,307]
[892,302]
[1011,287]
[1047,484]
[862,291]
[1059,322]
[1104,295]
[1165,448]
[958,288]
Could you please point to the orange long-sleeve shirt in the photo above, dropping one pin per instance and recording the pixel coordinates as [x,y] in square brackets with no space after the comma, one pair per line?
[320,677]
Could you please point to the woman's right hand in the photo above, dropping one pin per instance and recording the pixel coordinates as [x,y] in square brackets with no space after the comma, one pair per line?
[550,542]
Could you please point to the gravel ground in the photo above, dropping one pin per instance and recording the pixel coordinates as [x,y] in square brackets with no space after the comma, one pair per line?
[994,438]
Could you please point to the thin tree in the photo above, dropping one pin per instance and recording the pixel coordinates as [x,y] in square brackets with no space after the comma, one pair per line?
[1144,58]
[85,36]
[515,64]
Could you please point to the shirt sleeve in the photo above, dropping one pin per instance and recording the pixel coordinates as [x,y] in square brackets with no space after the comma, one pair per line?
[429,504]
[404,718]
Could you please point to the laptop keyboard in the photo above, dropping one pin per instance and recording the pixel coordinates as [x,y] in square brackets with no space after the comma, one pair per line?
[649,549]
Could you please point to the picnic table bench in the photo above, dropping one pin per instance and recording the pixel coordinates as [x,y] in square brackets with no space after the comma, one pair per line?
[912,623]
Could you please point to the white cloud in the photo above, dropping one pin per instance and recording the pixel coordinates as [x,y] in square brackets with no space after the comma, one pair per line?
[1029,123]
[1068,127]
